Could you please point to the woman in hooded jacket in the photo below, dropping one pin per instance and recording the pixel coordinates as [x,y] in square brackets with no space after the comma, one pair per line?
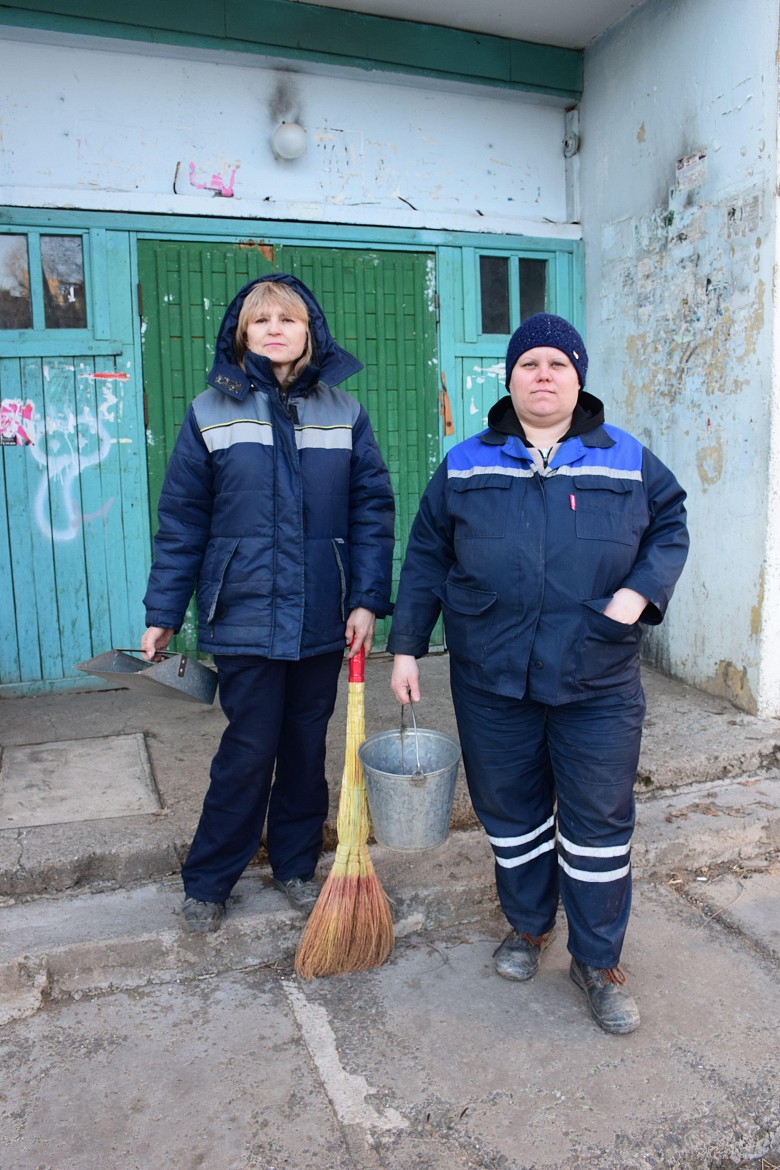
[277,511]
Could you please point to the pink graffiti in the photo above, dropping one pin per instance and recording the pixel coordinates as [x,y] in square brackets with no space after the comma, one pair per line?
[216,185]
[110,377]
[16,423]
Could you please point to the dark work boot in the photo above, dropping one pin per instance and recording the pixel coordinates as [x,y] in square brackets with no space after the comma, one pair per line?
[301,893]
[202,917]
[519,955]
[611,1004]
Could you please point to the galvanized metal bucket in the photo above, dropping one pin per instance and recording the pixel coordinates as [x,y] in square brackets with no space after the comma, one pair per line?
[178,677]
[410,779]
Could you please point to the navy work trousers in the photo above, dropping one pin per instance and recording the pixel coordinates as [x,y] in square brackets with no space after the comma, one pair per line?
[554,789]
[278,715]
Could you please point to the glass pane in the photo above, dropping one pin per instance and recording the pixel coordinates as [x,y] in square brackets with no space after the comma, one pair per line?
[62,262]
[494,293]
[533,287]
[15,306]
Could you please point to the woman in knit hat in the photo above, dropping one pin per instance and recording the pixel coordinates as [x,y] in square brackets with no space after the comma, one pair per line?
[546,541]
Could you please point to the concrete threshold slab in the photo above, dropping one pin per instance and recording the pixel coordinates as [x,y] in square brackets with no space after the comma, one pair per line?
[75,780]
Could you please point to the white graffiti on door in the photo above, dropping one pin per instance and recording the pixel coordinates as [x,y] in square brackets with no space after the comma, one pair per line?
[71,445]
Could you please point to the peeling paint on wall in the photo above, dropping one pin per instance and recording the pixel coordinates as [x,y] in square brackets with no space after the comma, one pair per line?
[757,609]
[680,292]
[730,682]
[709,463]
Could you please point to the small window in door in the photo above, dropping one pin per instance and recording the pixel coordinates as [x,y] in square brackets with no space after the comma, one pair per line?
[511,289]
[62,267]
[42,283]
[533,286]
[15,302]
[494,293]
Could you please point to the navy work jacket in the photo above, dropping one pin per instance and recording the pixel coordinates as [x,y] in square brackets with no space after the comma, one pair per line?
[522,562]
[276,509]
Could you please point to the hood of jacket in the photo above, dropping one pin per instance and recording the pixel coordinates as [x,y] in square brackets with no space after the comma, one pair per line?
[330,363]
[588,414]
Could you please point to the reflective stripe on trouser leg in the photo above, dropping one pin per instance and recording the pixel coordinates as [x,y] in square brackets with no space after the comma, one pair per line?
[510,783]
[594,747]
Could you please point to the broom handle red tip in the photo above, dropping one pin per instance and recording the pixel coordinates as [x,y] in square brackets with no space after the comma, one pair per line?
[357,667]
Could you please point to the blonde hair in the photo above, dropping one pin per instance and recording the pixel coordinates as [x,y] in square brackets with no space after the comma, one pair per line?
[273,294]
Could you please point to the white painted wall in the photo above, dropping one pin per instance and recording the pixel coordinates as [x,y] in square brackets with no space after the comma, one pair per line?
[678,170]
[112,126]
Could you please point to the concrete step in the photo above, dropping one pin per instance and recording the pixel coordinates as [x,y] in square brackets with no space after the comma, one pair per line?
[53,947]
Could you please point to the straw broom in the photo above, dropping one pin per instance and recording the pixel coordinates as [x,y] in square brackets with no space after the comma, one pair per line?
[351,926]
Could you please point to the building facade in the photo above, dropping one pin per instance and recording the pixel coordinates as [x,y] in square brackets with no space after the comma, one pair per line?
[444,185]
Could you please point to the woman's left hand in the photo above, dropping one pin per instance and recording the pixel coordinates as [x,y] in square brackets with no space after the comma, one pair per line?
[361,624]
[626,606]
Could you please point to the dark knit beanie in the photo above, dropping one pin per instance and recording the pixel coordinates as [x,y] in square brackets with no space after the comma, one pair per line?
[547,329]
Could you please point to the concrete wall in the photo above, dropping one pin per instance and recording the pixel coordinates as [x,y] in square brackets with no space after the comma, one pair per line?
[114,126]
[678,169]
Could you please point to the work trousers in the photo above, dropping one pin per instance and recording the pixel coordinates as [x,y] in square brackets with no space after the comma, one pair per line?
[553,787]
[278,714]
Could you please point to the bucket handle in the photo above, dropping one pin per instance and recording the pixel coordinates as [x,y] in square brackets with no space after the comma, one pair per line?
[418,777]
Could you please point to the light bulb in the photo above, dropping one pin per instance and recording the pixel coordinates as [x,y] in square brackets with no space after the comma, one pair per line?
[289,140]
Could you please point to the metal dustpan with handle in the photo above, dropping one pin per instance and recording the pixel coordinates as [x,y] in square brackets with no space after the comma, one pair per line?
[178,677]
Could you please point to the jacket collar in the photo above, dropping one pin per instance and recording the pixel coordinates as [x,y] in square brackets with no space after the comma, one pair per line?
[587,424]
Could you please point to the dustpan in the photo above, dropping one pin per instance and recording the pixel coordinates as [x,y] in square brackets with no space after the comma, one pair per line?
[178,677]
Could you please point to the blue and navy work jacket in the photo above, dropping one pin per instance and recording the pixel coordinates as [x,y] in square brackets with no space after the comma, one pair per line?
[522,561]
[276,510]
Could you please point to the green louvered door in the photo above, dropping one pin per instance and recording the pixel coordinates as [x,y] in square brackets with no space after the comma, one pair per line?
[380,306]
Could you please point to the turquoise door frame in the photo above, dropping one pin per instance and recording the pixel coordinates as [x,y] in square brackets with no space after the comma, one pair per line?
[75,552]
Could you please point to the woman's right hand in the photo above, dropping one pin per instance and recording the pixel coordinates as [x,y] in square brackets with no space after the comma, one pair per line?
[405,680]
[154,641]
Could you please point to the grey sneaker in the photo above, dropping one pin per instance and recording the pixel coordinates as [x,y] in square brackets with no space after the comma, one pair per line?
[611,1004]
[301,894]
[202,917]
[519,955]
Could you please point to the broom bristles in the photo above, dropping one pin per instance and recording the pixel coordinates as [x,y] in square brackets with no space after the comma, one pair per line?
[350,928]
[351,925]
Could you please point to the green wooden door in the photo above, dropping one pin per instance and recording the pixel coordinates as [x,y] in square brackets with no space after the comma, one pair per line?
[379,305]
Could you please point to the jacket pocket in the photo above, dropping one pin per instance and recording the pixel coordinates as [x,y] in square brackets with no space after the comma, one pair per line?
[608,650]
[479,509]
[216,578]
[339,550]
[468,620]
[606,510]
